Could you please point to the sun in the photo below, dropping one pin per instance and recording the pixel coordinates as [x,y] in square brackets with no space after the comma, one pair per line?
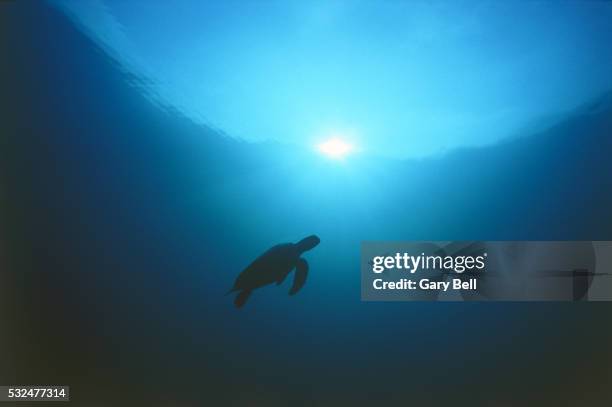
[335,148]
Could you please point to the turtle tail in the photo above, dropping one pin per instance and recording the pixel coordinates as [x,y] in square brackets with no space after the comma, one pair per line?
[241,298]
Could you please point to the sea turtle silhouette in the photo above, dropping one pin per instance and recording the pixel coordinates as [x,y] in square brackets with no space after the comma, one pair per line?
[273,267]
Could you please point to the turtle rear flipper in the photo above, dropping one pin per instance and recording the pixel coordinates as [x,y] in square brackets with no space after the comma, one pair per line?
[242,297]
[301,272]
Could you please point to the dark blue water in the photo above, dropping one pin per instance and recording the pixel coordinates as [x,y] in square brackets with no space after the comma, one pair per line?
[127,224]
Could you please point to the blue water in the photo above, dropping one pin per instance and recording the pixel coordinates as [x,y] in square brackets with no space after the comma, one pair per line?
[400,79]
[129,222]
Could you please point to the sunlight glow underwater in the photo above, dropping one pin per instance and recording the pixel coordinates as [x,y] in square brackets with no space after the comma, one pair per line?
[419,78]
[335,148]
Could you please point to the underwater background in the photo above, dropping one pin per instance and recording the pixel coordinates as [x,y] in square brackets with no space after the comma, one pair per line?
[124,223]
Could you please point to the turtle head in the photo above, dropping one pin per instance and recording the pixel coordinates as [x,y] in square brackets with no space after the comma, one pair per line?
[308,243]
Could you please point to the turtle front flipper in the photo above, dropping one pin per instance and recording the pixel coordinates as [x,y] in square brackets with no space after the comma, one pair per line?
[301,271]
